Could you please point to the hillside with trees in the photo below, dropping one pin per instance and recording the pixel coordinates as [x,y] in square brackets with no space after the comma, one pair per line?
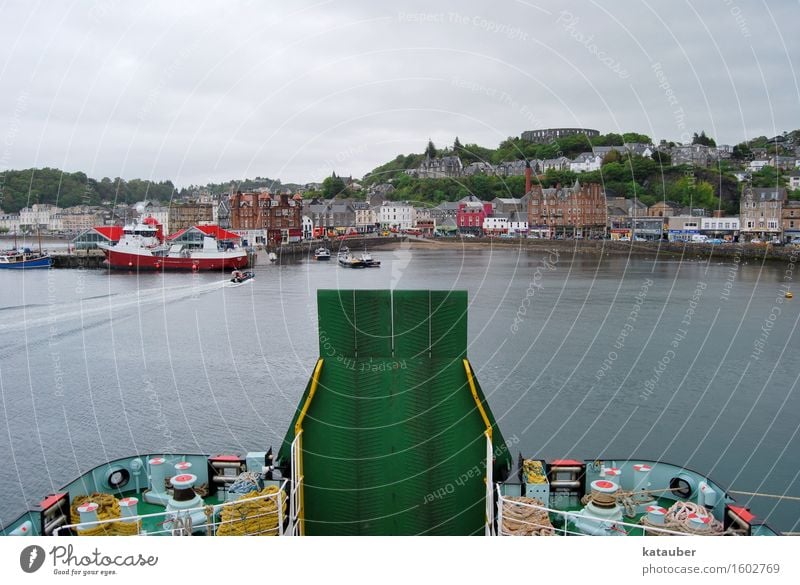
[649,179]
[22,188]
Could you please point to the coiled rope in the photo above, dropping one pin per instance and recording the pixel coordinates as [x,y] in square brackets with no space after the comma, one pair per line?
[520,518]
[108,508]
[252,516]
[677,519]
[628,501]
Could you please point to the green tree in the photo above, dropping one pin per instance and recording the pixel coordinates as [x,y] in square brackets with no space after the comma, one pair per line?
[430,150]
[635,137]
[662,158]
[703,139]
[333,186]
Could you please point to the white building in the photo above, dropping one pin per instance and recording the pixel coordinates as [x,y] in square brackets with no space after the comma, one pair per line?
[518,222]
[496,224]
[396,214]
[719,226]
[9,223]
[586,162]
[365,217]
[37,216]
[756,165]
[308,228]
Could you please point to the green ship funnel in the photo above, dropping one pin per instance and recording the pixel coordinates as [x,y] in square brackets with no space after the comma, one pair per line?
[393,434]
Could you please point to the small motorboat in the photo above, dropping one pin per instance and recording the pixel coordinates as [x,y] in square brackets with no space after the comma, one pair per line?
[350,261]
[272,256]
[369,261]
[240,277]
[322,254]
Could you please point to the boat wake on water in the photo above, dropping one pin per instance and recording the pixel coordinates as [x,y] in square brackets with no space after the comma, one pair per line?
[112,305]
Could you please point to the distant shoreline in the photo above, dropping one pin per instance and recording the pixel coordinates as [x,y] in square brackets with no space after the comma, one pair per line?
[687,251]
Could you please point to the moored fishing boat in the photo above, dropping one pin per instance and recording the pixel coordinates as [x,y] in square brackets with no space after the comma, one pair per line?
[143,247]
[322,254]
[350,466]
[24,259]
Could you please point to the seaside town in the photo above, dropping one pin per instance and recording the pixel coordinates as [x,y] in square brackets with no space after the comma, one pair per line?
[580,207]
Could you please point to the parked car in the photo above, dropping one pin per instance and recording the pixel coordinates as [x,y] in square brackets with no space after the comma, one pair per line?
[624,239]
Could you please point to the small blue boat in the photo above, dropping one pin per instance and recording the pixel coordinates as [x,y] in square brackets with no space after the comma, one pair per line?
[24,259]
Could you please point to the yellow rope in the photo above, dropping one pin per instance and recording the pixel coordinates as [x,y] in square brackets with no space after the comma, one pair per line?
[533,472]
[257,517]
[108,508]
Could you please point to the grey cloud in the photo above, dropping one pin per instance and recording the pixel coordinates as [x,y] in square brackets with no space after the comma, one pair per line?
[200,91]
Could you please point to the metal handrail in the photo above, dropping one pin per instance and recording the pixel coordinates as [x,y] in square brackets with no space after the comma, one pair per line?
[572,515]
[188,511]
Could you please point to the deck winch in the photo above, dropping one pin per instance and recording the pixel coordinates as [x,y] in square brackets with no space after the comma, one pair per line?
[183,499]
[602,513]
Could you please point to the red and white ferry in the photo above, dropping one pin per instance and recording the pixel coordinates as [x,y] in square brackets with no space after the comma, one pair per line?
[203,247]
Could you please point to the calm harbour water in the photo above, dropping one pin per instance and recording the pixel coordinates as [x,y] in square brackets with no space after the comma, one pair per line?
[691,362]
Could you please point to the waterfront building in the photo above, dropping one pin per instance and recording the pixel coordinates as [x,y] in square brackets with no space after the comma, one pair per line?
[278,216]
[791,220]
[761,212]
[397,215]
[518,222]
[446,209]
[308,228]
[496,224]
[37,217]
[725,228]
[470,216]
[683,228]
[9,223]
[579,210]
[365,217]
[101,234]
[641,228]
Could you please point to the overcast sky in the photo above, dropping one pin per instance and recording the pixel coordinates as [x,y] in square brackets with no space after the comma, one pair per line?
[208,91]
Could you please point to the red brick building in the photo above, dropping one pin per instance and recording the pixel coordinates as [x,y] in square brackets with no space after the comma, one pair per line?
[470,216]
[280,216]
[579,210]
